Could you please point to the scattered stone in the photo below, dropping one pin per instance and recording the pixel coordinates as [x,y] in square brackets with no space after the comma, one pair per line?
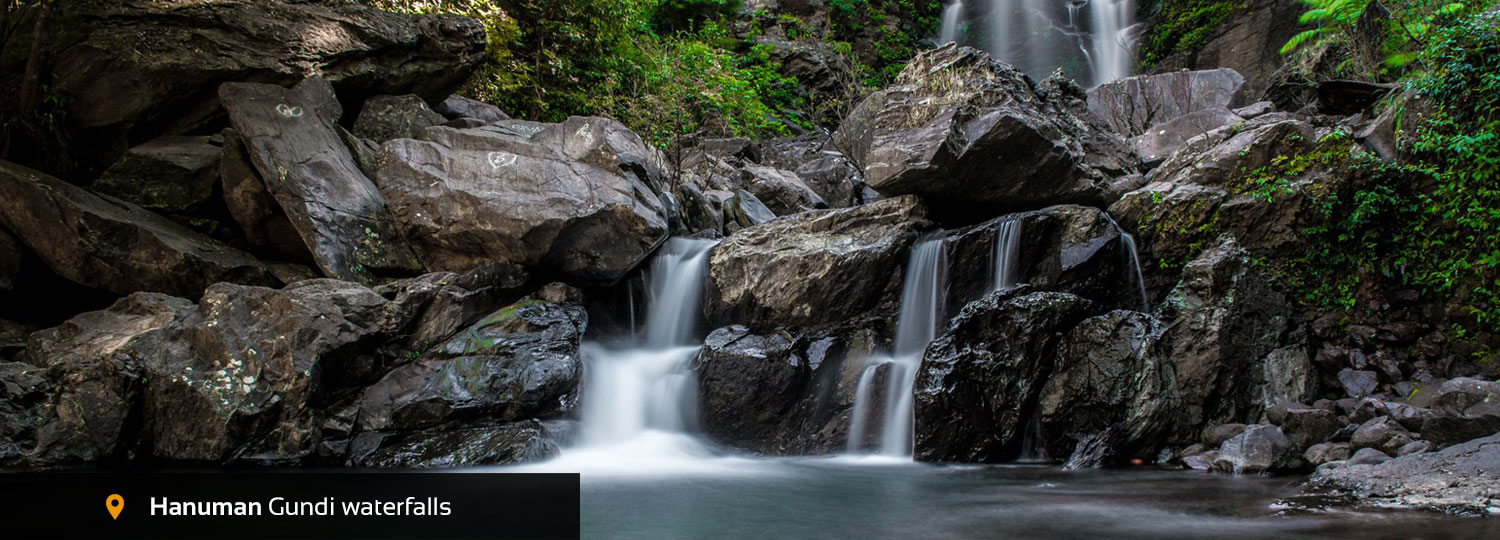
[1460,479]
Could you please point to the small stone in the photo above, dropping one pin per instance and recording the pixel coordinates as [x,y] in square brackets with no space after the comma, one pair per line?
[1321,453]
[1414,447]
[1368,456]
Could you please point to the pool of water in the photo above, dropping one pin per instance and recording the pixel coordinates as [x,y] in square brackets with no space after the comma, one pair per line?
[869,499]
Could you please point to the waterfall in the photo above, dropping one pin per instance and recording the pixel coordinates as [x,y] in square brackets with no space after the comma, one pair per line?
[649,392]
[953,14]
[1134,258]
[1111,39]
[1007,254]
[923,295]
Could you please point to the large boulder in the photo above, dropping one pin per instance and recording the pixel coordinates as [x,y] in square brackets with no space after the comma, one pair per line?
[175,174]
[977,381]
[962,128]
[1463,409]
[814,268]
[1261,448]
[1107,375]
[1248,41]
[1458,479]
[136,69]
[518,363]
[456,107]
[1134,105]
[503,444]
[290,137]
[103,242]
[746,384]
[575,197]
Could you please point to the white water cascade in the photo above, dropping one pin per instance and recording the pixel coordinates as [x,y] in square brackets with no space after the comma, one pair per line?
[640,402]
[1111,54]
[1091,40]
[923,295]
[953,14]
[1134,258]
[1007,254]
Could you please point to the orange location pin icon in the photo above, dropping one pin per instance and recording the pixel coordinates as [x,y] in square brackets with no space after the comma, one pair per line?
[115,504]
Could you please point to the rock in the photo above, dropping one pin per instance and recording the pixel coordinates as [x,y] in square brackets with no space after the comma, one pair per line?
[10,262]
[456,107]
[505,444]
[176,174]
[1216,435]
[24,396]
[1289,376]
[730,165]
[1260,449]
[1305,426]
[251,206]
[574,198]
[1224,319]
[962,129]
[340,216]
[1137,105]
[439,305]
[1073,249]
[1463,409]
[1345,97]
[395,117]
[746,383]
[138,70]
[1159,141]
[520,362]
[1382,434]
[1259,108]
[106,243]
[1318,454]
[976,379]
[1344,434]
[1368,456]
[1249,42]
[1459,479]
[1379,136]
[1358,383]
[1107,378]
[1414,447]
[744,210]
[818,267]
[1201,462]
[1368,409]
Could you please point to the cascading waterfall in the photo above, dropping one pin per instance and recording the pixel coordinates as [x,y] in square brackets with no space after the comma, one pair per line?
[641,402]
[1007,254]
[953,14]
[1134,258]
[923,295]
[1111,54]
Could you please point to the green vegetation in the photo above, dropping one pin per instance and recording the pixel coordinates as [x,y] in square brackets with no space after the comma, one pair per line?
[1185,26]
[664,67]
[1403,25]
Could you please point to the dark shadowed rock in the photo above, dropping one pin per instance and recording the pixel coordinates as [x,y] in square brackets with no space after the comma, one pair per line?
[521,362]
[1136,105]
[1260,449]
[744,210]
[961,128]
[1073,249]
[1463,409]
[818,267]
[10,261]
[575,197]
[1216,435]
[103,242]
[253,207]
[1457,479]
[170,173]
[456,107]
[24,400]
[136,69]
[440,304]
[1307,426]
[1345,97]
[1107,378]
[290,137]
[746,383]
[395,117]
[977,379]
[504,444]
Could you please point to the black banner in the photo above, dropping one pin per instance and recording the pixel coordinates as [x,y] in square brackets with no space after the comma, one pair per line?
[374,505]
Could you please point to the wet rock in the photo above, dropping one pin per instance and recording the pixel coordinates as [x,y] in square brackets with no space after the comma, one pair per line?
[456,107]
[1073,249]
[818,267]
[1136,105]
[1368,456]
[1260,449]
[1306,426]
[505,444]
[106,243]
[1201,462]
[1458,479]
[440,304]
[175,174]
[1318,454]
[1463,409]
[1216,435]
[520,362]
[963,129]
[395,117]
[291,140]
[138,70]
[976,378]
[577,197]
[1107,379]
[746,384]
[1382,434]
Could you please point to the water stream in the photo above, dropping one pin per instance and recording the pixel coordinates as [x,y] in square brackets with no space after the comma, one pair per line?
[1093,45]
[1007,254]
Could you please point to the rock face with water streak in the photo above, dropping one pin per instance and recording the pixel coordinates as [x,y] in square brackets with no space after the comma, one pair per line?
[575,198]
[964,129]
[976,378]
[746,384]
[110,244]
[290,138]
[1073,249]
[814,268]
